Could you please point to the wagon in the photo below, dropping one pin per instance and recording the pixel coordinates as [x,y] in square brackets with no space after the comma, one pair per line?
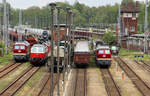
[82,53]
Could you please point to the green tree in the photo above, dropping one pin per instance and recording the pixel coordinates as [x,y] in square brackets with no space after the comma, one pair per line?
[109,38]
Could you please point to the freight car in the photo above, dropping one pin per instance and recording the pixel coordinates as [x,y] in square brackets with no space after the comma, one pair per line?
[61,55]
[82,53]
[39,53]
[21,51]
[103,56]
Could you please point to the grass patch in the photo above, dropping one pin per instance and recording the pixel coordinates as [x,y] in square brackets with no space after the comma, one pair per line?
[132,53]
[11,76]
[6,59]
[92,61]
[92,57]
[3,84]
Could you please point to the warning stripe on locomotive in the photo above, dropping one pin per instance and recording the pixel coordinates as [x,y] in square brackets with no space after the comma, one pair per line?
[19,54]
[103,59]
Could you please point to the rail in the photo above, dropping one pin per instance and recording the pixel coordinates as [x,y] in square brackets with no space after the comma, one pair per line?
[139,83]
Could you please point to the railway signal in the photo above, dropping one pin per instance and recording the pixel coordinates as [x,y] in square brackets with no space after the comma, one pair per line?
[1,20]
[52,48]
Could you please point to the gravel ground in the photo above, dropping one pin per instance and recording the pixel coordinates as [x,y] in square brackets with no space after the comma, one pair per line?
[127,88]
[142,73]
[95,84]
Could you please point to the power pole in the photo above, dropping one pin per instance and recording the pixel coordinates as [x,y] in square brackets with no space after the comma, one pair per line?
[146,26]
[20,23]
[35,22]
[5,31]
[119,25]
[1,21]
[68,44]
[58,43]
[20,17]
[52,48]
[8,25]
[73,33]
[70,38]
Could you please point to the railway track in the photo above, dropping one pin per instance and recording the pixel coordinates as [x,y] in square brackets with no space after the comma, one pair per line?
[144,65]
[140,84]
[80,86]
[14,86]
[6,67]
[45,87]
[6,70]
[110,85]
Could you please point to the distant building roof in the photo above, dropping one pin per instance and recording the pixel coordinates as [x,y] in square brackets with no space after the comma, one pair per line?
[130,8]
[61,25]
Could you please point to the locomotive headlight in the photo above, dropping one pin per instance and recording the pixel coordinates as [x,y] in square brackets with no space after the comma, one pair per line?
[104,55]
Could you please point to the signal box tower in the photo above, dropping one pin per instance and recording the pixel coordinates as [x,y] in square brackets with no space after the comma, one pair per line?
[129,18]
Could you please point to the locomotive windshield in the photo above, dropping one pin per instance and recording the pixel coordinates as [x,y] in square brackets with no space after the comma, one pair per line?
[37,50]
[22,47]
[19,47]
[101,52]
[107,51]
[16,47]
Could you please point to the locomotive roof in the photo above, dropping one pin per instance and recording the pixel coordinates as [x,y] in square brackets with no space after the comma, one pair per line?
[22,42]
[102,47]
[82,46]
[38,45]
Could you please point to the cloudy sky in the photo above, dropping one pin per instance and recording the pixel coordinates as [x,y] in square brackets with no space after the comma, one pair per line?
[23,4]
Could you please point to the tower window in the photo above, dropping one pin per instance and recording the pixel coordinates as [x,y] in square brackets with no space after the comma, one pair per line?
[132,28]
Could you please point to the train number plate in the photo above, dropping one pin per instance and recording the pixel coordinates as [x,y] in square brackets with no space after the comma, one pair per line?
[19,50]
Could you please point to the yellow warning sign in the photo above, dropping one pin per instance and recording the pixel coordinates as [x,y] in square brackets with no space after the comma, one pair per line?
[90,29]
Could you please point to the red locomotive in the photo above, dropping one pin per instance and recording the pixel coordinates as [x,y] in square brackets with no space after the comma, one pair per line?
[82,53]
[21,50]
[39,53]
[103,55]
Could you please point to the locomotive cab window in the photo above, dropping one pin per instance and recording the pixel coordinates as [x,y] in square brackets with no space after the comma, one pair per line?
[16,47]
[33,49]
[22,47]
[40,49]
[107,51]
[37,49]
[100,52]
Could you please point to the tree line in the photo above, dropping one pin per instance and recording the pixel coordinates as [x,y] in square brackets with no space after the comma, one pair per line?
[83,15]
